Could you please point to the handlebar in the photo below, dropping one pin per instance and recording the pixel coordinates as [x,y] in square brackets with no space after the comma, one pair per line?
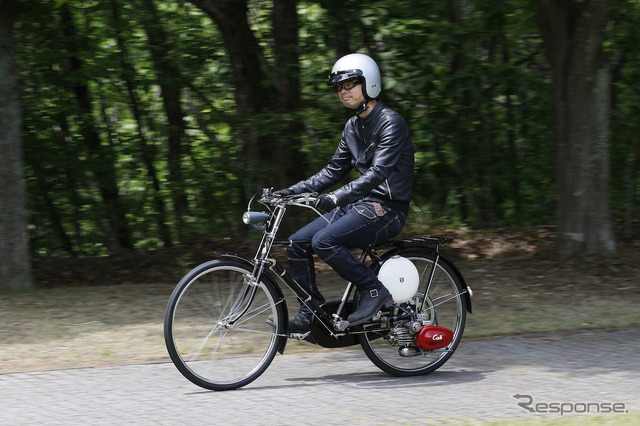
[305,199]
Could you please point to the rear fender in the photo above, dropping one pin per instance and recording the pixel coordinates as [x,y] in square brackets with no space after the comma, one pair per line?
[465,287]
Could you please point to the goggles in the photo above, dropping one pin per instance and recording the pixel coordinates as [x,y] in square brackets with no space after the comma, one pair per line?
[347,85]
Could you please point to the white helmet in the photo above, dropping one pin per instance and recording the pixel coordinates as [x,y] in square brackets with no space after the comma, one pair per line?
[358,65]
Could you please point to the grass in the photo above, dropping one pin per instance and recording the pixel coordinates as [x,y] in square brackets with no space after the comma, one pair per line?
[530,295]
[81,326]
[70,326]
[618,419]
[74,319]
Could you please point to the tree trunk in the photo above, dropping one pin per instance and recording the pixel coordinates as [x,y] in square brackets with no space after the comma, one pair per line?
[169,79]
[251,91]
[286,46]
[15,261]
[340,22]
[573,33]
[102,160]
[46,203]
[256,95]
[148,151]
[247,61]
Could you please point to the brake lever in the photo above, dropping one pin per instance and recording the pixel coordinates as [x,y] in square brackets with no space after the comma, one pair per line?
[308,198]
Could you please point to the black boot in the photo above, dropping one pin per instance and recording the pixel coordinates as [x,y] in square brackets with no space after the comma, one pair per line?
[300,322]
[371,301]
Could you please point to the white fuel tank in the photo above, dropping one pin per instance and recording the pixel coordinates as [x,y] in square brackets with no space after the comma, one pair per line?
[400,276]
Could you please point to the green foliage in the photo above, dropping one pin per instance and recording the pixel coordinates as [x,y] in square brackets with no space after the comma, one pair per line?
[625,140]
[473,86]
[469,77]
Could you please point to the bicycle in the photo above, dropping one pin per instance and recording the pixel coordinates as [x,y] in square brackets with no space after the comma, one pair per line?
[227,318]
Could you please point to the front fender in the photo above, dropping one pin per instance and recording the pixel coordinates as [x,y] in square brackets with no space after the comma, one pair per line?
[267,278]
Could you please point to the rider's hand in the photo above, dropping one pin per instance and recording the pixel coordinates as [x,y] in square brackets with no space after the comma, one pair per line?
[283,192]
[326,202]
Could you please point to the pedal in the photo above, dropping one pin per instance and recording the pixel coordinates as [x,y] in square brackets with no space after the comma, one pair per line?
[306,336]
[341,325]
[299,336]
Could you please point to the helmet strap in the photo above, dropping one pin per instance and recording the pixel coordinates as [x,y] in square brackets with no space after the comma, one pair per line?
[362,108]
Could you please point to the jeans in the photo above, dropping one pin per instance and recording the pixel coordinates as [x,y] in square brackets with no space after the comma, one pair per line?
[331,236]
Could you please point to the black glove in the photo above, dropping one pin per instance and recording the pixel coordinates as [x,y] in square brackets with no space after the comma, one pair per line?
[283,192]
[325,203]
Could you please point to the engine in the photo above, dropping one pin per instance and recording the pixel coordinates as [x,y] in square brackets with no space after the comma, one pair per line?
[414,338]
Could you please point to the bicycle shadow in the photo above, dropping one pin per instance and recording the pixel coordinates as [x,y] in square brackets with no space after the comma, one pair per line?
[376,379]
[370,380]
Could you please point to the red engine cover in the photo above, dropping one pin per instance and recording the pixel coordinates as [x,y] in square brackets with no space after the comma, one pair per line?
[432,337]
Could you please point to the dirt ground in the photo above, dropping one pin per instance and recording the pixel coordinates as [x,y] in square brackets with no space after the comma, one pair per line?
[171,263]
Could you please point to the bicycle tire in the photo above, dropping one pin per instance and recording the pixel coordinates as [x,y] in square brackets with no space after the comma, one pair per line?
[446,306]
[216,330]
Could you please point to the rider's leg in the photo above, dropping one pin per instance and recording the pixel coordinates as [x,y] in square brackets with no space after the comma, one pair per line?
[302,269]
[359,225]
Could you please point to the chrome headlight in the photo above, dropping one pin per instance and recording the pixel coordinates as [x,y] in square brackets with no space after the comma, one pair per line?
[252,218]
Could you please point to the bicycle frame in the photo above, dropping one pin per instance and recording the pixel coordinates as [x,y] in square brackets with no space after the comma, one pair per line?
[262,258]
[227,318]
[333,323]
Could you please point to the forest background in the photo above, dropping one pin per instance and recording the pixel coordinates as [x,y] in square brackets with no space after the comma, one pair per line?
[146,123]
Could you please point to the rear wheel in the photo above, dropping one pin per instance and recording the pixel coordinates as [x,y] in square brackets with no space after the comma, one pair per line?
[442,303]
[216,327]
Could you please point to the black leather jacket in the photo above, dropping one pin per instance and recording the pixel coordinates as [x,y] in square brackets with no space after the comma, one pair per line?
[379,147]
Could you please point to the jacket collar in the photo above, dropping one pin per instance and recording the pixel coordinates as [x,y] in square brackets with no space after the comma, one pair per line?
[375,112]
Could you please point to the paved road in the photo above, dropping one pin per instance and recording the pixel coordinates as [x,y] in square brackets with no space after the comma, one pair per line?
[584,371]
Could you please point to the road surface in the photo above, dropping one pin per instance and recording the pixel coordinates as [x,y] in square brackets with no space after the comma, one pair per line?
[516,377]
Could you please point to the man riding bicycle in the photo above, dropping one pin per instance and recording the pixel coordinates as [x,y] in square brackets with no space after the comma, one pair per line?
[370,209]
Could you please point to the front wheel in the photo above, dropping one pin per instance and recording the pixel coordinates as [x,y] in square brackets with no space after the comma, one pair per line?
[216,327]
[441,303]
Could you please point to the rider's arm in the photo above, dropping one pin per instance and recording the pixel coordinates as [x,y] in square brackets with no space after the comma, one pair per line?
[337,168]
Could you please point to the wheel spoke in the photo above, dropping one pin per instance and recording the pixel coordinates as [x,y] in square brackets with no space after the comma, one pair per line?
[442,304]
[216,326]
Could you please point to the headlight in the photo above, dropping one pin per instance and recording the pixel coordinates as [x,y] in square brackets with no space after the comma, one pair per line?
[252,218]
